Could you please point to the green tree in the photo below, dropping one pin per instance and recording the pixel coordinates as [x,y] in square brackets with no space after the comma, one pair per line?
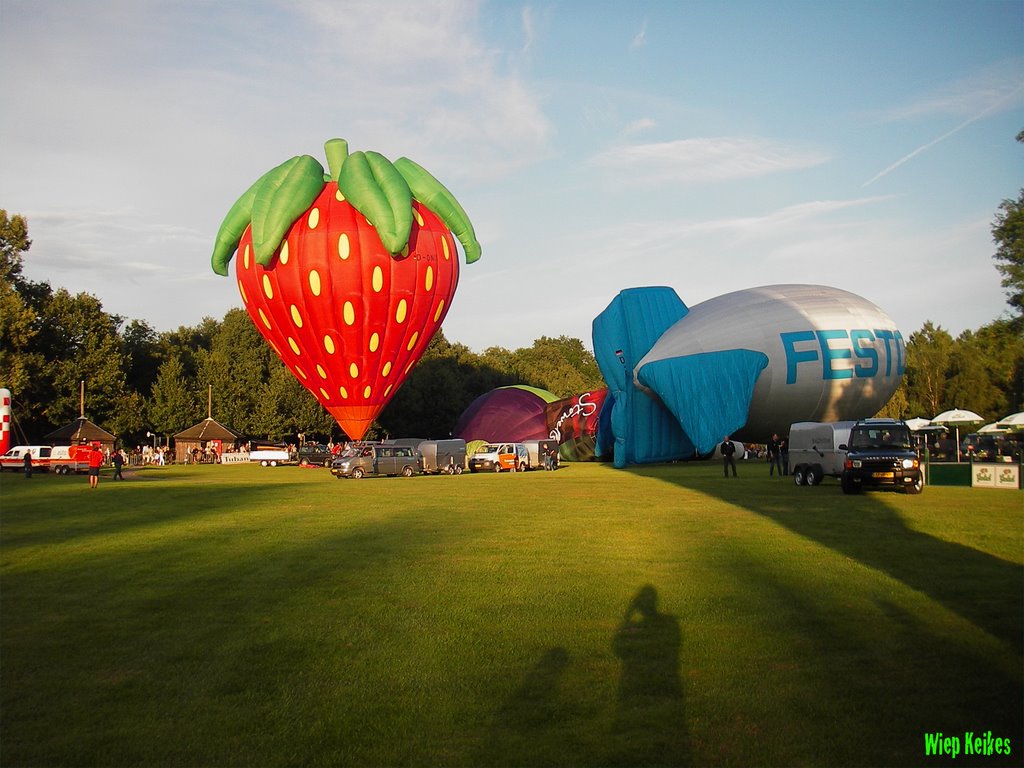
[1008,234]
[928,355]
[172,404]
[14,244]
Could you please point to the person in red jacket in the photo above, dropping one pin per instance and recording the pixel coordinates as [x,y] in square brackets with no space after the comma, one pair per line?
[95,462]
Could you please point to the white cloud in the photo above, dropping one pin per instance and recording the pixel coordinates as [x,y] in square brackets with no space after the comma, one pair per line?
[640,38]
[708,159]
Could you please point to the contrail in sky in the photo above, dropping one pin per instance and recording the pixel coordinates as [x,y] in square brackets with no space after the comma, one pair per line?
[941,138]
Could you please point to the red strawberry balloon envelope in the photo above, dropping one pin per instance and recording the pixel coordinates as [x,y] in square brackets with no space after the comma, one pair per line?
[348,274]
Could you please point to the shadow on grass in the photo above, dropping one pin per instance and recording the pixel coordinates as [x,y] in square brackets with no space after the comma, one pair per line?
[540,725]
[117,507]
[971,583]
[651,715]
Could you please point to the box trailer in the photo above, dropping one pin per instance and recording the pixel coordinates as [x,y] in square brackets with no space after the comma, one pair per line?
[814,450]
[443,456]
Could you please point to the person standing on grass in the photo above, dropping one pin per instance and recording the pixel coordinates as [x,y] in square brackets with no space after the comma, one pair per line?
[774,456]
[118,461]
[728,456]
[95,462]
[27,463]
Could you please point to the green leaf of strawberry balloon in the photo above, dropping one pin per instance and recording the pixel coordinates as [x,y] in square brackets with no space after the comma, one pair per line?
[349,274]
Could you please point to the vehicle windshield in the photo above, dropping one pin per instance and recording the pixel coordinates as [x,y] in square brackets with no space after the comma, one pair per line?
[880,437]
[487,449]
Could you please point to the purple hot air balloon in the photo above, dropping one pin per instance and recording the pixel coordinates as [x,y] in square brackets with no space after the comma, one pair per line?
[513,413]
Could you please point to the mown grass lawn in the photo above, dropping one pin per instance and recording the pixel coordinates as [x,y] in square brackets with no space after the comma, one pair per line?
[234,616]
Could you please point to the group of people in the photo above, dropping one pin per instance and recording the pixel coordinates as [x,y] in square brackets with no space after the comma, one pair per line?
[777,452]
[550,456]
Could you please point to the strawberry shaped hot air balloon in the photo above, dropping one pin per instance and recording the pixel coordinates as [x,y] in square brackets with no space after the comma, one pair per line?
[348,274]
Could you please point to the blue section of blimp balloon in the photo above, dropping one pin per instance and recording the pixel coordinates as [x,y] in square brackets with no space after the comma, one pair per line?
[709,394]
[750,363]
[642,431]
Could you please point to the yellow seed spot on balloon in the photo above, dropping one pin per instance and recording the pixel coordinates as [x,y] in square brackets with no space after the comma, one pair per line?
[374,342]
[314,218]
[428,281]
[400,313]
[353,371]
[268,289]
[412,341]
[405,251]
[294,346]
[296,317]
[417,216]
[366,393]
[263,317]
[322,373]
[283,256]
[386,370]
[339,196]
[241,290]
[388,390]
[329,345]
[440,308]
[343,392]
[378,279]
[409,367]
[314,282]
[324,393]
[350,313]
[444,248]
[245,257]
[343,246]
[302,373]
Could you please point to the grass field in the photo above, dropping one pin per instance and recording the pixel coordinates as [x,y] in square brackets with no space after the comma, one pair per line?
[230,616]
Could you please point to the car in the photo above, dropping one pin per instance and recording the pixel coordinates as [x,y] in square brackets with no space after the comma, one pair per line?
[314,454]
[881,456]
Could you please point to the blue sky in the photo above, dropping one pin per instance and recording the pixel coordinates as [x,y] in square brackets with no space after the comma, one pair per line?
[708,146]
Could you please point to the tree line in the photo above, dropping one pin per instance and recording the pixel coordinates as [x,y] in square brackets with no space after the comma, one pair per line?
[139,380]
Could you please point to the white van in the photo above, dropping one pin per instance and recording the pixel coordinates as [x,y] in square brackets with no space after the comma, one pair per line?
[495,457]
[15,457]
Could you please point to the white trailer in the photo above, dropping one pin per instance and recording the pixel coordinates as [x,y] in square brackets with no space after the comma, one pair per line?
[814,450]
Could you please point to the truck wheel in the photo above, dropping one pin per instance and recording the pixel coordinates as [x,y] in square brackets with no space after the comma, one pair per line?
[304,463]
[798,475]
[458,469]
[812,476]
[357,473]
[264,463]
[522,467]
[273,463]
[849,486]
[916,486]
[406,471]
[497,467]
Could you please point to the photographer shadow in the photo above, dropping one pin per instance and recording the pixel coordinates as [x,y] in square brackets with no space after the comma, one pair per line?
[650,722]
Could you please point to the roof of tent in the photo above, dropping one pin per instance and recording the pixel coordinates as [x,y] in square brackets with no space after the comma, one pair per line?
[78,430]
[208,429]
